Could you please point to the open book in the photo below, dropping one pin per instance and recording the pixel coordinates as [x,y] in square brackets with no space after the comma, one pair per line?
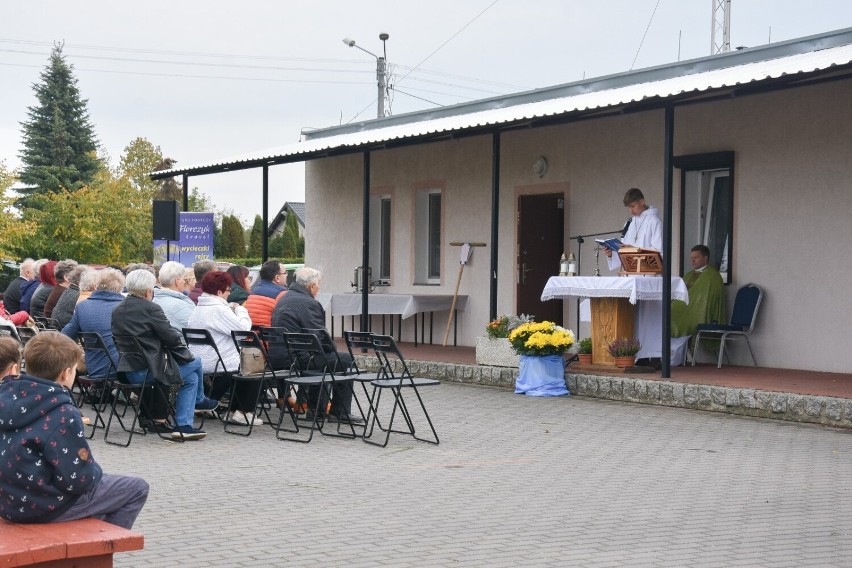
[611,244]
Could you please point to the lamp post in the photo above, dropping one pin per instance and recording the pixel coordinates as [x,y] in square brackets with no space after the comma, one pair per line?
[381,70]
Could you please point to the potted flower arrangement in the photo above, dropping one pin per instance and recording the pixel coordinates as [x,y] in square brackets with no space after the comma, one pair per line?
[624,350]
[494,348]
[585,353]
[542,368]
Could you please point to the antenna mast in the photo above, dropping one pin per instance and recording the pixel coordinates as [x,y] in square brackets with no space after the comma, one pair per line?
[720,34]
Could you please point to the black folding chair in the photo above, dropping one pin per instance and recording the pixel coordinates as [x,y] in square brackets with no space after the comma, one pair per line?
[128,345]
[397,382]
[46,323]
[202,337]
[244,340]
[95,390]
[309,368]
[25,334]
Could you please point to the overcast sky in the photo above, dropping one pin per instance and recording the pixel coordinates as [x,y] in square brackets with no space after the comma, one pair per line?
[210,79]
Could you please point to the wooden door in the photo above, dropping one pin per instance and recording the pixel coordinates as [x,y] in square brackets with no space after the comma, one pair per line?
[540,244]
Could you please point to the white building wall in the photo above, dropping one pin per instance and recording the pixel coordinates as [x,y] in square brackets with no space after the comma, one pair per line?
[792,208]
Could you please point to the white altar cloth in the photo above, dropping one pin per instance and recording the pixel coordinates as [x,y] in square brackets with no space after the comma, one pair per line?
[647,290]
[634,288]
[406,305]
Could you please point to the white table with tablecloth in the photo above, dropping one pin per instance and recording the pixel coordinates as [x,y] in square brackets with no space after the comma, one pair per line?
[645,292]
[403,305]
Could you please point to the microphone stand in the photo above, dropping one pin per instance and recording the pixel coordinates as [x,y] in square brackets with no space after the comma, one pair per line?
[580,240]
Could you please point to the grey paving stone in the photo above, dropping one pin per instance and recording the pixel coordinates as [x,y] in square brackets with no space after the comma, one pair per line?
[515,481]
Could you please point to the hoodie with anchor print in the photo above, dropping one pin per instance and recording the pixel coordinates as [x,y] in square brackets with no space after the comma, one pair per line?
[45,461]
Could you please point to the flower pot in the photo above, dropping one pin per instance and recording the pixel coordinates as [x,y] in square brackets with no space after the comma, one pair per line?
[625,361]
[541,376]
[584,358]
[495,352]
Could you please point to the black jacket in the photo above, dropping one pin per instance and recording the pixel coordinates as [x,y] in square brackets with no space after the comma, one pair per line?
[295,311]
[12,296]
[146,321]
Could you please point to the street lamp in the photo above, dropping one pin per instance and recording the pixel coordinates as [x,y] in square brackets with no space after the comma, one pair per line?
[381,69]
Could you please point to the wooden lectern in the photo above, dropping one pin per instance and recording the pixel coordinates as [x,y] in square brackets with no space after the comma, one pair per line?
[611,318]
[638,261]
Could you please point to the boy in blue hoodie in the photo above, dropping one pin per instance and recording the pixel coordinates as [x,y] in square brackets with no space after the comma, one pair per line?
[47,472]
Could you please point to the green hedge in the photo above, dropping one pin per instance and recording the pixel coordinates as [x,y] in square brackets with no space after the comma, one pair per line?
[255,261]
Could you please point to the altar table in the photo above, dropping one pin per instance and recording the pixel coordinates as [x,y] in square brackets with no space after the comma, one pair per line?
[612,313]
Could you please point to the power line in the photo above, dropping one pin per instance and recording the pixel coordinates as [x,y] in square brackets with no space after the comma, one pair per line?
[185,76]
[415,96]
[645,34]
[464,27]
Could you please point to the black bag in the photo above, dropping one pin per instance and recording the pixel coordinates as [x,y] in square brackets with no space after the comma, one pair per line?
[181,355]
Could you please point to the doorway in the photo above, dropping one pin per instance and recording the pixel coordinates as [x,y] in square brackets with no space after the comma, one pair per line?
[541,241]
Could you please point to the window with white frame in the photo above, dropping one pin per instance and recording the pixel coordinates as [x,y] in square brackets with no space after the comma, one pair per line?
[380,237]
[707,215]
[427,237]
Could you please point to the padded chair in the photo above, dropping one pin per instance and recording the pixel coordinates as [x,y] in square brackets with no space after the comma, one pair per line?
[127,345]
[741,325]
[397,382]
[247,340]
[95,390]
[309,369]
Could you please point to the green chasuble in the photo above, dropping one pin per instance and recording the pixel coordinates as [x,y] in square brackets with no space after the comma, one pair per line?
[706,302]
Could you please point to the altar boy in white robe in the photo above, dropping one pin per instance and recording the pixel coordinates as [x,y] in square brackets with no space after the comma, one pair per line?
[645,229]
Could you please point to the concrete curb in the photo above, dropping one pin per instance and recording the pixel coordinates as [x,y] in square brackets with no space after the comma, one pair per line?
[827,410]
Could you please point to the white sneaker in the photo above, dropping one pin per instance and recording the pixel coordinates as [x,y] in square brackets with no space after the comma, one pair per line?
[252,419]
[244,419]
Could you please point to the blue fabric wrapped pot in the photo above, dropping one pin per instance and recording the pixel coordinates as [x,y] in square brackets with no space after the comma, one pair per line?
[541,376]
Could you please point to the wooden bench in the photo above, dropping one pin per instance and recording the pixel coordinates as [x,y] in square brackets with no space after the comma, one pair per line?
[87,542]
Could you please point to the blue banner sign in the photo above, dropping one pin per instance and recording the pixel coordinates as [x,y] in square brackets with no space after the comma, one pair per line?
[196,240]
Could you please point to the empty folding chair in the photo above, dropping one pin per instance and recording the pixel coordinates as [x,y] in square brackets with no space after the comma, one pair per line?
[398,382]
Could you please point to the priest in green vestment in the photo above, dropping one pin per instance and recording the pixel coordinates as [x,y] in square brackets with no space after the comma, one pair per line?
[706,295]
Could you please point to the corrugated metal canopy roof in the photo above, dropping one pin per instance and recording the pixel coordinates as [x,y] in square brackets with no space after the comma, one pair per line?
[772,66]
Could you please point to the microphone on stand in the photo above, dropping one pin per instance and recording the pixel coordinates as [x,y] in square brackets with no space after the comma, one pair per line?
[625,227]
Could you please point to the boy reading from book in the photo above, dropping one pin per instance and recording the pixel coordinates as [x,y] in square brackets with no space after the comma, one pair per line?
[47,471]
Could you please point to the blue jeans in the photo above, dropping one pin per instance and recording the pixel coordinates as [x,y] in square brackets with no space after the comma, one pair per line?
[189,394]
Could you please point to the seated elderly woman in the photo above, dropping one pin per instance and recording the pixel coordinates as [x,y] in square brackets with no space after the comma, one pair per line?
[48,283]
[95,315]
[64,308]
[176,305]
[215,314]
[139,317]
[61,274]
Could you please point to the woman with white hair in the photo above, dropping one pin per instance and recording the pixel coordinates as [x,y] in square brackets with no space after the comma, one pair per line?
[177,306]
[137,316]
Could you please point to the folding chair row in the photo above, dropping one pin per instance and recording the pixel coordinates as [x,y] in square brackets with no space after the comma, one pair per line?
[398,382]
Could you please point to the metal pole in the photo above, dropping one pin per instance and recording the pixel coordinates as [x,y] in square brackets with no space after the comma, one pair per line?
[365,247]
[667,243]
[495,220]
[185,192]
[264,247]
[380,74]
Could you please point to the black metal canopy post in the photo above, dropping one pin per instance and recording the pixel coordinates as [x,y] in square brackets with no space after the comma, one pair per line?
[365,247]
[667,243]
[264,246]
[495,219]
[185,192]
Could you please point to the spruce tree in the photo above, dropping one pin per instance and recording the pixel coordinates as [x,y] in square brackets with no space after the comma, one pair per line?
[59,144]
[255,249]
